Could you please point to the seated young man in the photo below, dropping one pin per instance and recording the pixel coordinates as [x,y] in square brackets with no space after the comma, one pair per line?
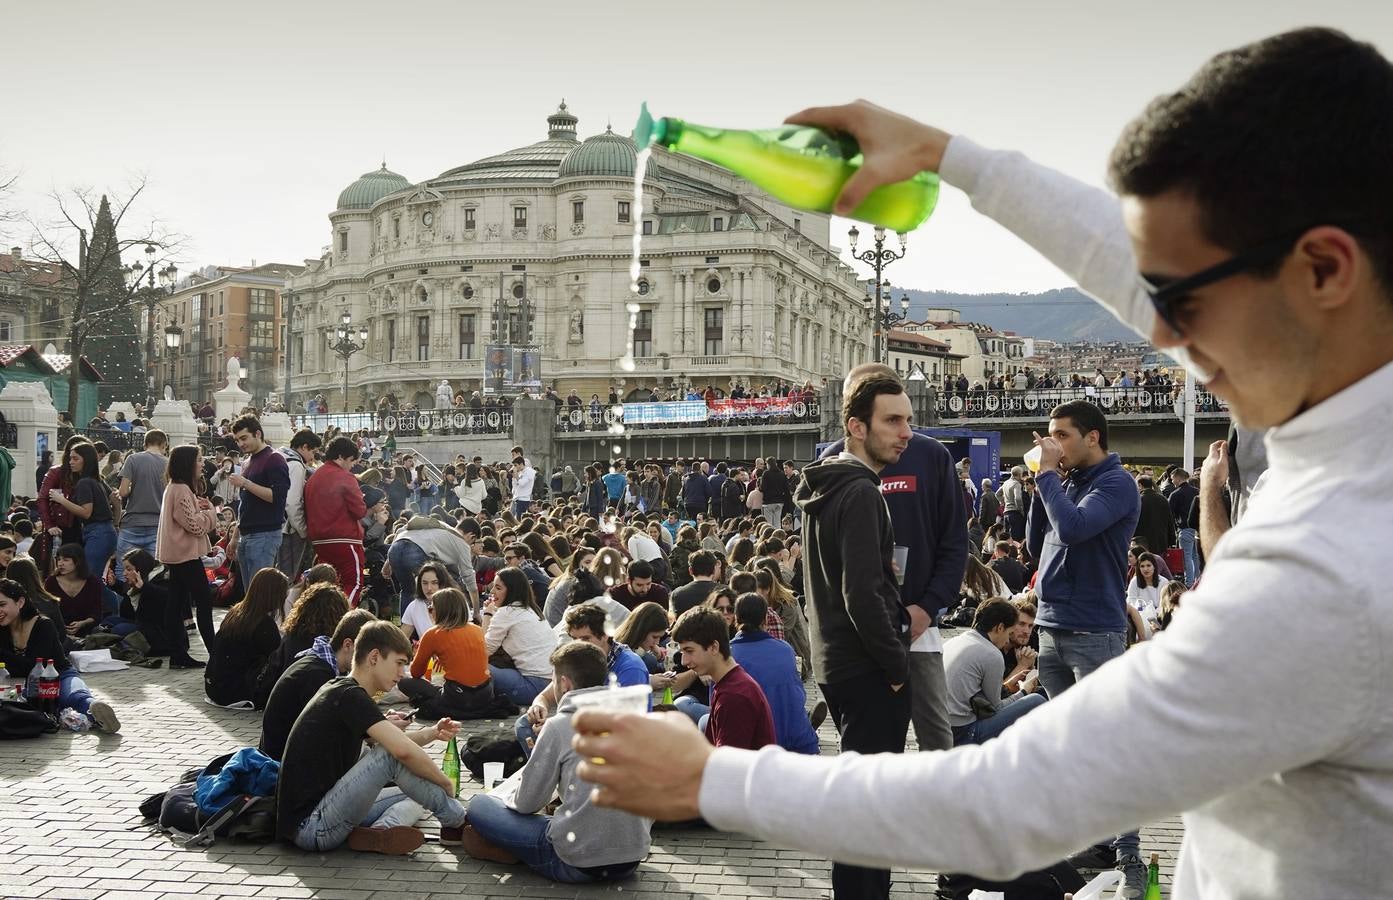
[740,714]
[331,791]
[326,659]
[974,668]
[583,842]
[640,588]
[585,622]
[773,666]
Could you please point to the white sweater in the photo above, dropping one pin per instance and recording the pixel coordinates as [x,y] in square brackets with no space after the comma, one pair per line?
[1273,725]
[527,639]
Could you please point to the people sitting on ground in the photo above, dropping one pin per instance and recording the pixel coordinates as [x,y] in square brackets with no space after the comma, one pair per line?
[773,666]
[7,553]
[640,588]
[79,592]
[1170,602]
[569,586]
[316,612]
[586,622]
[331,791]
[581,842]
[981,583]
[519,555]
[453,646]
[702,566]
[328,657]
[416,620]
[739,715]
[246,639]
[321,573]
[642,631]
[1005,564]
[517,638]
[26,637]
[684,545]
[792,624]
[26,573]
[975,669]
[1144,590]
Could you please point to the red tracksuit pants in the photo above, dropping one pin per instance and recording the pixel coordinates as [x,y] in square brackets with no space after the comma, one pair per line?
[347,559]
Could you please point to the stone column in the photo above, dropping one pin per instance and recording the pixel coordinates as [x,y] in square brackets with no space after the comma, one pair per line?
[275,428]
[534,429]
[176,420]
[27,406]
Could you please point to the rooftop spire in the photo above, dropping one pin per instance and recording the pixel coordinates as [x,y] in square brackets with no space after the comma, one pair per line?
[561,125]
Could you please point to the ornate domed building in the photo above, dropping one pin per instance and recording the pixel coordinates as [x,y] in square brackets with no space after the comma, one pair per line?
[532,247]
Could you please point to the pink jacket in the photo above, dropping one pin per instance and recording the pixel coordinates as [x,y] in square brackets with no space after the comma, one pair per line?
[184,528]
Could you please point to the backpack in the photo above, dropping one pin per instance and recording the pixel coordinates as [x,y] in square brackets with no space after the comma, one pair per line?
[176,812]
[20,720]
[486,748]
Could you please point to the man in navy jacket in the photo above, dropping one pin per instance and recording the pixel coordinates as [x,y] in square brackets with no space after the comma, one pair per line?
[1085,512]
[922,492]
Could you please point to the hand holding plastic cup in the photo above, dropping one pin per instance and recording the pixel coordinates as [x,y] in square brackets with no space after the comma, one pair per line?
[900,555]
[633,698]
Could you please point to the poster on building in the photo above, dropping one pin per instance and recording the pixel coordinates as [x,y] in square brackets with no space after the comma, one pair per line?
[510,369]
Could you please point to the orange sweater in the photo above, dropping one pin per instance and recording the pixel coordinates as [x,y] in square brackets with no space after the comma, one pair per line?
[460,650]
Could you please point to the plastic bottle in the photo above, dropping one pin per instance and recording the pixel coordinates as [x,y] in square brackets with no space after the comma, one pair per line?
[667,695]
[31,684]
[73,720]
[802,166]
[451,764]
[1153,878]
[49,689]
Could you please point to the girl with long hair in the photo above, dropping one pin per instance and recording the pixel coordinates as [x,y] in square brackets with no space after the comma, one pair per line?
[246,640]
[1144,590]
[59,527]
[563,587]
[516,627]
[316,612]
[416,620]
[455,646]
[79,592]
[642,632]
[769,584]
[89,504]
[186,521]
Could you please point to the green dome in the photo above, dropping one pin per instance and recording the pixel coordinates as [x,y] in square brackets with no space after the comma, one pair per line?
[370,188]
[607,155]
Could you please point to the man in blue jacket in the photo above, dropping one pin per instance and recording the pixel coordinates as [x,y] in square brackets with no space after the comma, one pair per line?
[1085,512]
[696,491]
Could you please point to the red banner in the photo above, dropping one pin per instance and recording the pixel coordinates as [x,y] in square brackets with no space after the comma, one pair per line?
[757,406]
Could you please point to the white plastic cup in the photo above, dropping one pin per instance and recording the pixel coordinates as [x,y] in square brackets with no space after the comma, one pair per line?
[633,698]
[1032,459]
[493,773]
[901,558]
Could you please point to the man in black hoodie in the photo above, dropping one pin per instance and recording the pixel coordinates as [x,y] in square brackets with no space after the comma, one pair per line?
[859,629]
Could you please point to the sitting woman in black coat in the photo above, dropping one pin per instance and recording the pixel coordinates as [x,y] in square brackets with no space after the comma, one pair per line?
[247,638]
[148,603]
[316,612]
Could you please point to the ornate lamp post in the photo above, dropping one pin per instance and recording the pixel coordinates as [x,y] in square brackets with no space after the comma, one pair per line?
[878,259]
[889,319]
[151,296]
[173,337]
[345,346]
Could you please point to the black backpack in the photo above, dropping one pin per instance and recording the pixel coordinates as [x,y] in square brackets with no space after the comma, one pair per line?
[486,748]
[175,811]
[20,720]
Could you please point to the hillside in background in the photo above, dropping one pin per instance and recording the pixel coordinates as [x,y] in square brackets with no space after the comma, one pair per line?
[1059,315]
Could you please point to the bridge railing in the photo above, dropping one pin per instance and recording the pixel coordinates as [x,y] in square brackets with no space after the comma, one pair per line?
[412,422]
[752,413]
[1035,404]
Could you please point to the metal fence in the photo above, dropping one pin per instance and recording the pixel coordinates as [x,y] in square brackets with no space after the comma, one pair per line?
[723,414]
[1036,404]
[412,422]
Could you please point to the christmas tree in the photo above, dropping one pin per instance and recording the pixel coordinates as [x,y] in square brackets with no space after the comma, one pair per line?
[111,338]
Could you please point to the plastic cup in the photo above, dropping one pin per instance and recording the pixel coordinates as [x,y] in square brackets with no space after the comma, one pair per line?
[1032,459]
[493,773]
[633,698]
[901,557]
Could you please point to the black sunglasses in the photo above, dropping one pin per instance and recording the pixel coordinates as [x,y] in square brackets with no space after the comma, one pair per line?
[1167,293]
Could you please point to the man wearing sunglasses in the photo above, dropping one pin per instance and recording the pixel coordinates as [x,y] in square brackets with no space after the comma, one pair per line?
[1255,202]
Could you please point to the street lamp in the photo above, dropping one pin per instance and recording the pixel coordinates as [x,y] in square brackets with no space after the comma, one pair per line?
[173,337]
[345,346]
[150,295]
[878,259]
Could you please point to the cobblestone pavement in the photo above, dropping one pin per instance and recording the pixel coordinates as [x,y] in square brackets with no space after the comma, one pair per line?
[69,827]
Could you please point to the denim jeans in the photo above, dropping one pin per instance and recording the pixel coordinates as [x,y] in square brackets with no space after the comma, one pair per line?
[983,730]
[1189,545]
[520,508]
[525,836]
[72,691]
[130,538]
[357,799]
[692,708]
[98,544]
[517,687]
[1066,657]
[773,513]
[406,559]
[292,554]
[257,551]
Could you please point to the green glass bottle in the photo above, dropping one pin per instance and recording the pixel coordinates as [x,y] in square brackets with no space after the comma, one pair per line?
[1153,879]
[451,764]
[804,167]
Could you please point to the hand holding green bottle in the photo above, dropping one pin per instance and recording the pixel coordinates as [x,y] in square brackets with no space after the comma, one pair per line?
[894,147]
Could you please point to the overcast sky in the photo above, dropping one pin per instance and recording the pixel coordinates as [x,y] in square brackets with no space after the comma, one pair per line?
[249,118]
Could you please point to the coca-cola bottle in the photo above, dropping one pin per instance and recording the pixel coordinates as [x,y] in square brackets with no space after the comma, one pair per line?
[49,689]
